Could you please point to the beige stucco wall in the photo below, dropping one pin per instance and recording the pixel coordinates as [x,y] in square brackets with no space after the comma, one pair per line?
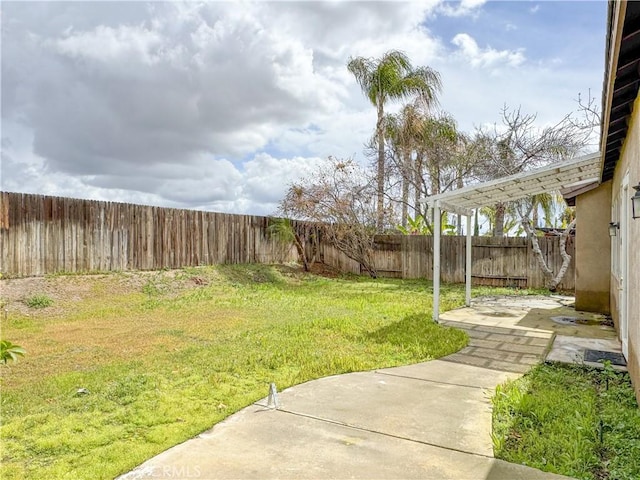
[593,250]
[630,162]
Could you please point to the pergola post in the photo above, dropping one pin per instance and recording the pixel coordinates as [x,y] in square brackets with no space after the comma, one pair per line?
[436,261]
[468,264]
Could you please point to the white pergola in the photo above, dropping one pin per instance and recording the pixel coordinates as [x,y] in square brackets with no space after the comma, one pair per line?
[555,177]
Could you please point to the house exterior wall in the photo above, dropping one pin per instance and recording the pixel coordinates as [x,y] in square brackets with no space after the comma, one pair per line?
[593,250]
[630,162]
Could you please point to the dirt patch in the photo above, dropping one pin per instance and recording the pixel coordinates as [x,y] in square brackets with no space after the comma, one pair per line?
[68,289]
[15,292]
[323,270]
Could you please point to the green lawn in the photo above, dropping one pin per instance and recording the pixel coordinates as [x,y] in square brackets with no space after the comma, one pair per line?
[569,419]
[165,355]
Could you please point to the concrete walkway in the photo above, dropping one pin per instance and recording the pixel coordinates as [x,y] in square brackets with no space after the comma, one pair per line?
[426,421]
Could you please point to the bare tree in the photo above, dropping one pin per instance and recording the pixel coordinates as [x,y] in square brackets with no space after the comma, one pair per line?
[589,116]
[519,145]
[340,196]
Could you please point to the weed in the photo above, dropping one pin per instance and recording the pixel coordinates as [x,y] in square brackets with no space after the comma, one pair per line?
[10,351]
[39,300]
[151,288]
[569,419]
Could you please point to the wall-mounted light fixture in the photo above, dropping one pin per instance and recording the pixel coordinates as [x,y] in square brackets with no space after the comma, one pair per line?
[635,203]
[613,228]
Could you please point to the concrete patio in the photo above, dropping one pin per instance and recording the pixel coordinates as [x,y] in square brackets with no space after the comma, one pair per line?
[572,332]
[426,421]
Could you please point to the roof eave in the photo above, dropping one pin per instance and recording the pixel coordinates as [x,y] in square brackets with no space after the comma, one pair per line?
[615,22]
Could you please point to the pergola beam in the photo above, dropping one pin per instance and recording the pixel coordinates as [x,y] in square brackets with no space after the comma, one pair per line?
[458,210]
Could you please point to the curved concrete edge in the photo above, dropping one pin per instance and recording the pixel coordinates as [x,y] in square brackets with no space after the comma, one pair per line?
[269,444]
[425,421]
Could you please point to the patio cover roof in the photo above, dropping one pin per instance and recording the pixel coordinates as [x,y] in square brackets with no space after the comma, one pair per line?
[558,176]
[554,177]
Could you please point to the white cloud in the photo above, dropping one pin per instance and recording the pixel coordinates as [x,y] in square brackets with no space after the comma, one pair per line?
[464,8]
[220,105]
[150,106]
[267,178]
[108,44]
[471,4]
[534,9]
[486,57]
[156,93]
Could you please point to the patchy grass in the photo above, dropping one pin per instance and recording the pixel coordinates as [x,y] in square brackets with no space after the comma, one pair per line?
[165,355]
[571,420]
[39,300]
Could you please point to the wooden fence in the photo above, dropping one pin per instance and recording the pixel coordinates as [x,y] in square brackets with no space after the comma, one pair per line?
[495,261]
[40,235]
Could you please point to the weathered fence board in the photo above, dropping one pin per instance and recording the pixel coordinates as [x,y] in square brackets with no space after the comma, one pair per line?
[41,235]
[507,261]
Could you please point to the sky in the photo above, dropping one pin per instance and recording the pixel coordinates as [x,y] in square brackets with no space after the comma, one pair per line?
[220,106]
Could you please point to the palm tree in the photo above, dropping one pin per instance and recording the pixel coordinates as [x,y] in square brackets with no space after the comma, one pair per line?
[402,131]
[544,202]
[553,208]
[391,77]
[439,138]
[427,151]
[502,218]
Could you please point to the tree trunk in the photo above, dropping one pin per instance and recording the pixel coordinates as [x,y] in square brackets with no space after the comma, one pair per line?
[302,254]
[526,224]
[566,258]
[434,174]
[406,158]
[435,189]
[554,281]
[380,169]
[476,226]
[498,227]
[417,180]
